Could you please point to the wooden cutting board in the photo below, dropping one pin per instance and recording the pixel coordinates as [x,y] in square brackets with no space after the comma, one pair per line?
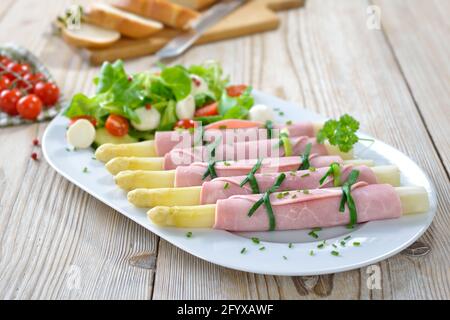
[253,17]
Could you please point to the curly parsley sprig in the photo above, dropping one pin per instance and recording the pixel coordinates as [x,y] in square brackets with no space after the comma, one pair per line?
[341,133]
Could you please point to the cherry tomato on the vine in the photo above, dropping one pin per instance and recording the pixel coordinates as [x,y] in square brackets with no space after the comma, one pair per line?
[29,107]
[48,92]
[5,83]
[8,101]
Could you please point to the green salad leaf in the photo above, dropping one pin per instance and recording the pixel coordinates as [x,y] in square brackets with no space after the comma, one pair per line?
[178,80]
[236,107]
[120,93]
[169,117]
[212,73]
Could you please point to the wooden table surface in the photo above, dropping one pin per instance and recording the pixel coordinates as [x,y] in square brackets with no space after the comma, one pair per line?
[58,242]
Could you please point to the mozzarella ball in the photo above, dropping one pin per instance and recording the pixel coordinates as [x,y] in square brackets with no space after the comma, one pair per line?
[261,112]
[149,119]
[185,108]
[81,134]
[199,85]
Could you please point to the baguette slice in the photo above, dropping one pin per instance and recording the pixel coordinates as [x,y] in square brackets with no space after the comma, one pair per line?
[128,24]
[164,11]
[194,4]
[90,36]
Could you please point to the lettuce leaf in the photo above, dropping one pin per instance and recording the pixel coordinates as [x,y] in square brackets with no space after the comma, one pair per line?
[212,73]
[236,107]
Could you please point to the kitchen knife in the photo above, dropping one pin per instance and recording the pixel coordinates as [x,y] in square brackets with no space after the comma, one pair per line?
[186,39]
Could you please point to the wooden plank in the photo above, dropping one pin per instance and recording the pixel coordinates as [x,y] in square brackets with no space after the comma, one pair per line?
[420,40]
[57,241]
[332,65]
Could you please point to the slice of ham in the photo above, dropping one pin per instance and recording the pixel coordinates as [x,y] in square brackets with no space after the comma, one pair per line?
[165,141]
[240,151]
[225,187]
[189,176]
[319,208]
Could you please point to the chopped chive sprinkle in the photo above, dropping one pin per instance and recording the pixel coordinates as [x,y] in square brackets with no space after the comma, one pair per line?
[304,175]
[226,164]
[294,196]
[243,250]
[226,186]
[347,237]
[306,191]
[334,246]
[279,196]
[320,245]
[85,170]
[312,169]
[289,122]
[256,240]
[262,248]
[356,244]
[281,113]
[293,173]
[189,234]
[290,245]
[317,229]
[311,253]
[68,149]
[93,158]
[335,253]
[343,243]
[286,193]
[284,257]
[313,234]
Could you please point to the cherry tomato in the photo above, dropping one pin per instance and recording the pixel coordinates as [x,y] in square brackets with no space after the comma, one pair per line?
[89,118]
[208,110]
[29,107]
[236,91]
[4,61]
[8,101]
[48,92]
[117,125]
[17,68]
[34,78]
[5,83]
[185,124]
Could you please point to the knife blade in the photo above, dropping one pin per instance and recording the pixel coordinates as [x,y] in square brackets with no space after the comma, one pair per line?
[185,40]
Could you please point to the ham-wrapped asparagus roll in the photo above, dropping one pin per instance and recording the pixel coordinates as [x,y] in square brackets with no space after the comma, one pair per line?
[224,187]
[165,141]
[318,208]
[192,175]
[297,210]
[229,131]
[270,148]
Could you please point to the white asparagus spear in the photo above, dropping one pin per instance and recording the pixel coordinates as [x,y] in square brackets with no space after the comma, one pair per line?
[190,196]
[413,199]
[134,179]
[109,151]
[119,164]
